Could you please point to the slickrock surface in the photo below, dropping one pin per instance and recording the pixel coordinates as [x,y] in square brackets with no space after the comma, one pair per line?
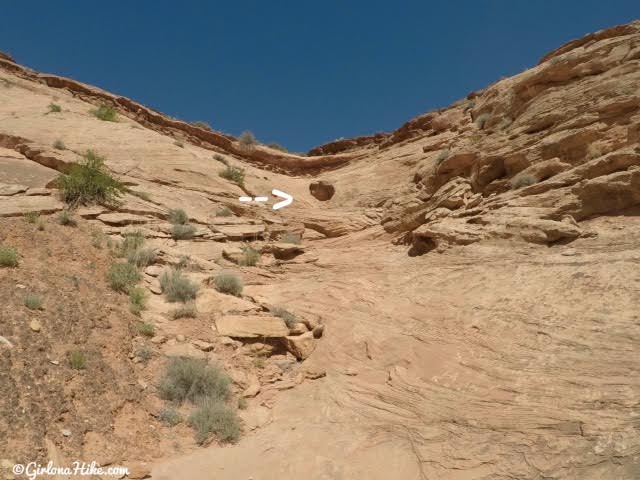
[467,288]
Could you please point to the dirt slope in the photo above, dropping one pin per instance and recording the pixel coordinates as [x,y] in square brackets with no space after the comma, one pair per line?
[475,273]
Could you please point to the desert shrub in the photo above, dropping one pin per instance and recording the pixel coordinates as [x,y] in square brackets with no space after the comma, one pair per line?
[250,256]
[145,354]
[146,329]
[193,380]
[482,120]
[8,256]
[247,139]
[277,146]
[188,310]
[259,363]
[131,241]
[105,113]
[224,212]
[442,156]
[228,283]
[289,318]
[54,108]
[142,257]
[182,232]
[183,263]
[215,418]
[90,182]
[59,145]
[177,287]
[33,302]
[169,417]
[122,277]
[294,238]
[77,360]
[31,217]
[178,143]
[142,195]
[242,403]
[235,174]
[505,123]
[64,218]
[178,217]
[220,158]
[523,181]
[138,300]
[203,125]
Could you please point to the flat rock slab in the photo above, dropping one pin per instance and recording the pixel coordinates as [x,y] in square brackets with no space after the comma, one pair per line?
[251,326]
[7,190]
[209,301]
[19,205]
[239,232]
[17,169]
[121,219]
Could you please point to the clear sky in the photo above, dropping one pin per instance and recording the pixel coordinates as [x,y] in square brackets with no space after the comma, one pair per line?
[299,73]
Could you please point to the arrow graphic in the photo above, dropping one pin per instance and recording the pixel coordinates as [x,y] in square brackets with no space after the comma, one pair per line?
[288,199]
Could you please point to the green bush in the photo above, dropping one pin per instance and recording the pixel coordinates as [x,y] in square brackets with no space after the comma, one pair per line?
[224,212]
[77,360]
[277,146]
[31,217]
[53,108]
[59,145]
[145,354]
[178,217]
[188,310]
[482,120]
[64,218]
[33,302]
[193,380]
[131,241]
[294,238]
[250,256]
[219,158]
[523,181]
[177,287]
[215,418]
[142,257]
[8,256]
[242,403]
[228,283]
[235,174]
[106,113]
[247,139]
[90,182]
[203,125]
[146,329]
[182,232]
[169,417]
[138,300]
[122,277]
[289,318]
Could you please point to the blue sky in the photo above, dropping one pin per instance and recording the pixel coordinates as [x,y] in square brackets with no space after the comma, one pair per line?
[299,73]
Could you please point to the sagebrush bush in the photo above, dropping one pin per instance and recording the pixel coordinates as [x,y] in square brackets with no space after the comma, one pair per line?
[219,158]
[190,379]
[145,354]
[178,217]
[131,241]
[142,257]
[31,217]
[146,329]
[482,120]
[177,287]
[247,139]
[188,310]
[228,283]
[8,256]
[122,277]
[242,403]
[294,238]
[289,318]
[169,417]
[215,418]
[223,212]
[138,300]
[250,256]
[182,232]
[203,125]
[105,113]
[54,108]
[59,145]
[90,182]
[64,218]
[33,302]
[442,156]
[77,360]
[235,174]
[523,181]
